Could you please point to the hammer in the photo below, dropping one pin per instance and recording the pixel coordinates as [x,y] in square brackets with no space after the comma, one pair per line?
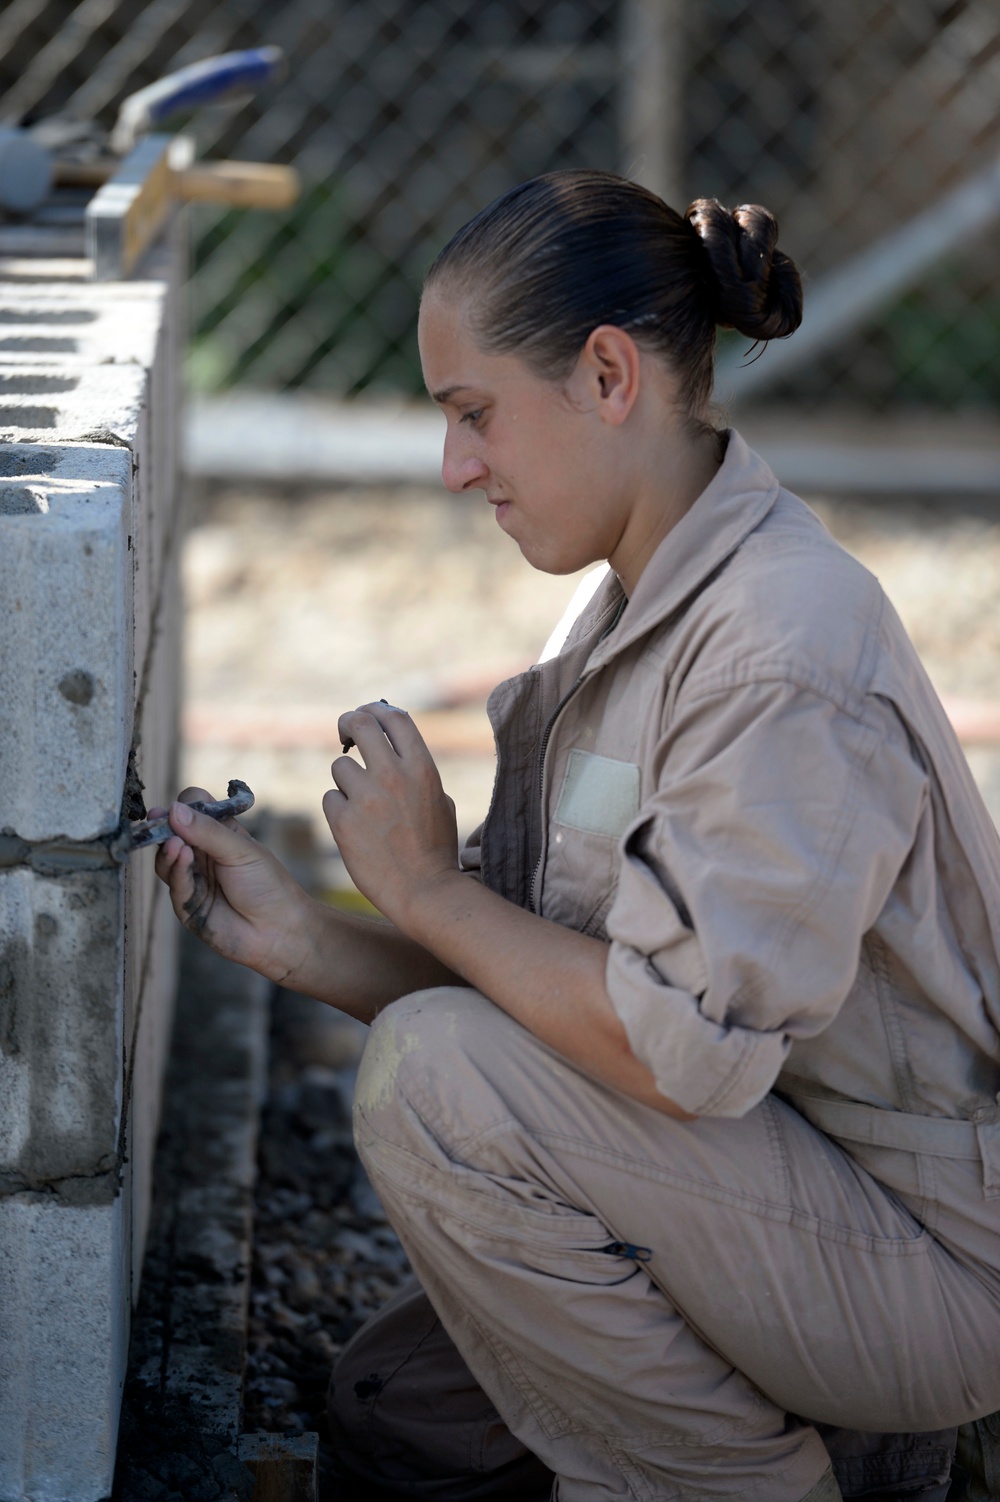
[31,164]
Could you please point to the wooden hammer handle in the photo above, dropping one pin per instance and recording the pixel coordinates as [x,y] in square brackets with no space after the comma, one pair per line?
[248,185]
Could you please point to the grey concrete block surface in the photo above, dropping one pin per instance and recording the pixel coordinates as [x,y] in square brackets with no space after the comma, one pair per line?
[60,1029]
[56,403]
[66,668]
[150,1048]
[63,1346]
[79,324]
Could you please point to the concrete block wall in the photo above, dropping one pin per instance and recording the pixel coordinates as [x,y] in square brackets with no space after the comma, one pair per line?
[90,525]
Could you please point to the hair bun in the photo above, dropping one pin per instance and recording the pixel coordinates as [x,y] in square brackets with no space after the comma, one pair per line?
[758,288]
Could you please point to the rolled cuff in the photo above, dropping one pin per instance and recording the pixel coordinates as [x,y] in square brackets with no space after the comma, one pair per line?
[704,1067]
[470,857]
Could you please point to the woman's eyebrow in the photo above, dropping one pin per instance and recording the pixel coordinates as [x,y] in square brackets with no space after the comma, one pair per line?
[446,395]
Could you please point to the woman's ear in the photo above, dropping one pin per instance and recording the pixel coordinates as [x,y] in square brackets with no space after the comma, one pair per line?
[609,371]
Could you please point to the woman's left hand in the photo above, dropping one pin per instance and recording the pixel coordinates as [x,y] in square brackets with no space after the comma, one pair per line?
[396,831]
[393,822]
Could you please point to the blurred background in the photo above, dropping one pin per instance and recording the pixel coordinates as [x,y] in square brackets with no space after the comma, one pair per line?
[325,564]
[406,116]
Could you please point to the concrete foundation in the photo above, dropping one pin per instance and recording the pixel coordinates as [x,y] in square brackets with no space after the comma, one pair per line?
[89,681]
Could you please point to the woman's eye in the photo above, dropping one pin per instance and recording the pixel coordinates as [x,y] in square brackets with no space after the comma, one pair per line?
[472,418]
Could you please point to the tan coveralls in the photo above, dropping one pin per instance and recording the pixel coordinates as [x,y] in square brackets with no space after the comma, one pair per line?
[745,783]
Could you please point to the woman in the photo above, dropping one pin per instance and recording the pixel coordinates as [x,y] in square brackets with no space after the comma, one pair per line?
[686,1110]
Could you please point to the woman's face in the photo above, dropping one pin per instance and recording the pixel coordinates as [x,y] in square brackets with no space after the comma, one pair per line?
[537,448]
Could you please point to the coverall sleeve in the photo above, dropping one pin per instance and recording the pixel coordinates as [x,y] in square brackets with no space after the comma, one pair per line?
[777,830]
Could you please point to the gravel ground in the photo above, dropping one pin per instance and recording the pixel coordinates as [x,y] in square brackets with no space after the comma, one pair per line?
[324,1256]
[328,599]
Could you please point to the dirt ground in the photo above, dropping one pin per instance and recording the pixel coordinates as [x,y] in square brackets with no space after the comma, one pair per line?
[303,604]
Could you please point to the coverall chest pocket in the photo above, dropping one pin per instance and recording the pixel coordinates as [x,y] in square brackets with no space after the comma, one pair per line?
[598,799]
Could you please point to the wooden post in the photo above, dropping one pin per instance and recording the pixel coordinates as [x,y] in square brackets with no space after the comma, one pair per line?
[284,1466]
[651,102]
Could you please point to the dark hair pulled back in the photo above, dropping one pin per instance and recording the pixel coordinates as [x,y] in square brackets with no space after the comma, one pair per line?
[549,261]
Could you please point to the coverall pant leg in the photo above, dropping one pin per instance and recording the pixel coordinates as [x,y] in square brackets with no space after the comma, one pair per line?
[658,1309]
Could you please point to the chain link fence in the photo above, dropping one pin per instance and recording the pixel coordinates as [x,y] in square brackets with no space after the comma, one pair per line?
[405,116]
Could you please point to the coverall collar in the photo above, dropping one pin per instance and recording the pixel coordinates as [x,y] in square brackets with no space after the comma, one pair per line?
[735,503]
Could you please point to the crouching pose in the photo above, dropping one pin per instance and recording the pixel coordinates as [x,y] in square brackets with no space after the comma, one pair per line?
[682,1085]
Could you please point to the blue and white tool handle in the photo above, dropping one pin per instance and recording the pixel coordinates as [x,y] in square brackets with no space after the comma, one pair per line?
[200,83]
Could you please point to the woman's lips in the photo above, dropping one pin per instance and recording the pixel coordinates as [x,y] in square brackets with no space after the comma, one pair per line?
[500,509]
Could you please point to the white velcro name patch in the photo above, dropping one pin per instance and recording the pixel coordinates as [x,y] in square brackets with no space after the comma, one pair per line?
[599,795]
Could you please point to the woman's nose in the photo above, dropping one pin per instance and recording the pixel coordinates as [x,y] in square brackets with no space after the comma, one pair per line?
[461,469]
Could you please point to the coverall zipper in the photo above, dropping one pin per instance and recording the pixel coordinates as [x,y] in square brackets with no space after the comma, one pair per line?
[546,733]
[543,746]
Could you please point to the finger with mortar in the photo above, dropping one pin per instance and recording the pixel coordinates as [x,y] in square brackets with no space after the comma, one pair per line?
[349,744]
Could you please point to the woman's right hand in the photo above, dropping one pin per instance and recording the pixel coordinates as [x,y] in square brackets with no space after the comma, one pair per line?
[231,891]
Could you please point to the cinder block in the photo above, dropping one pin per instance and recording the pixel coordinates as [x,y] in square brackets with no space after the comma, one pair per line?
[29,270]
[145,581]
[150,1049]
[61,994]
[59,345]
[84,323]
[66,667]
[141,895]
[158,708]
[63,1344]
[152,933]
[75,402]
[156,721]
[56,403]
